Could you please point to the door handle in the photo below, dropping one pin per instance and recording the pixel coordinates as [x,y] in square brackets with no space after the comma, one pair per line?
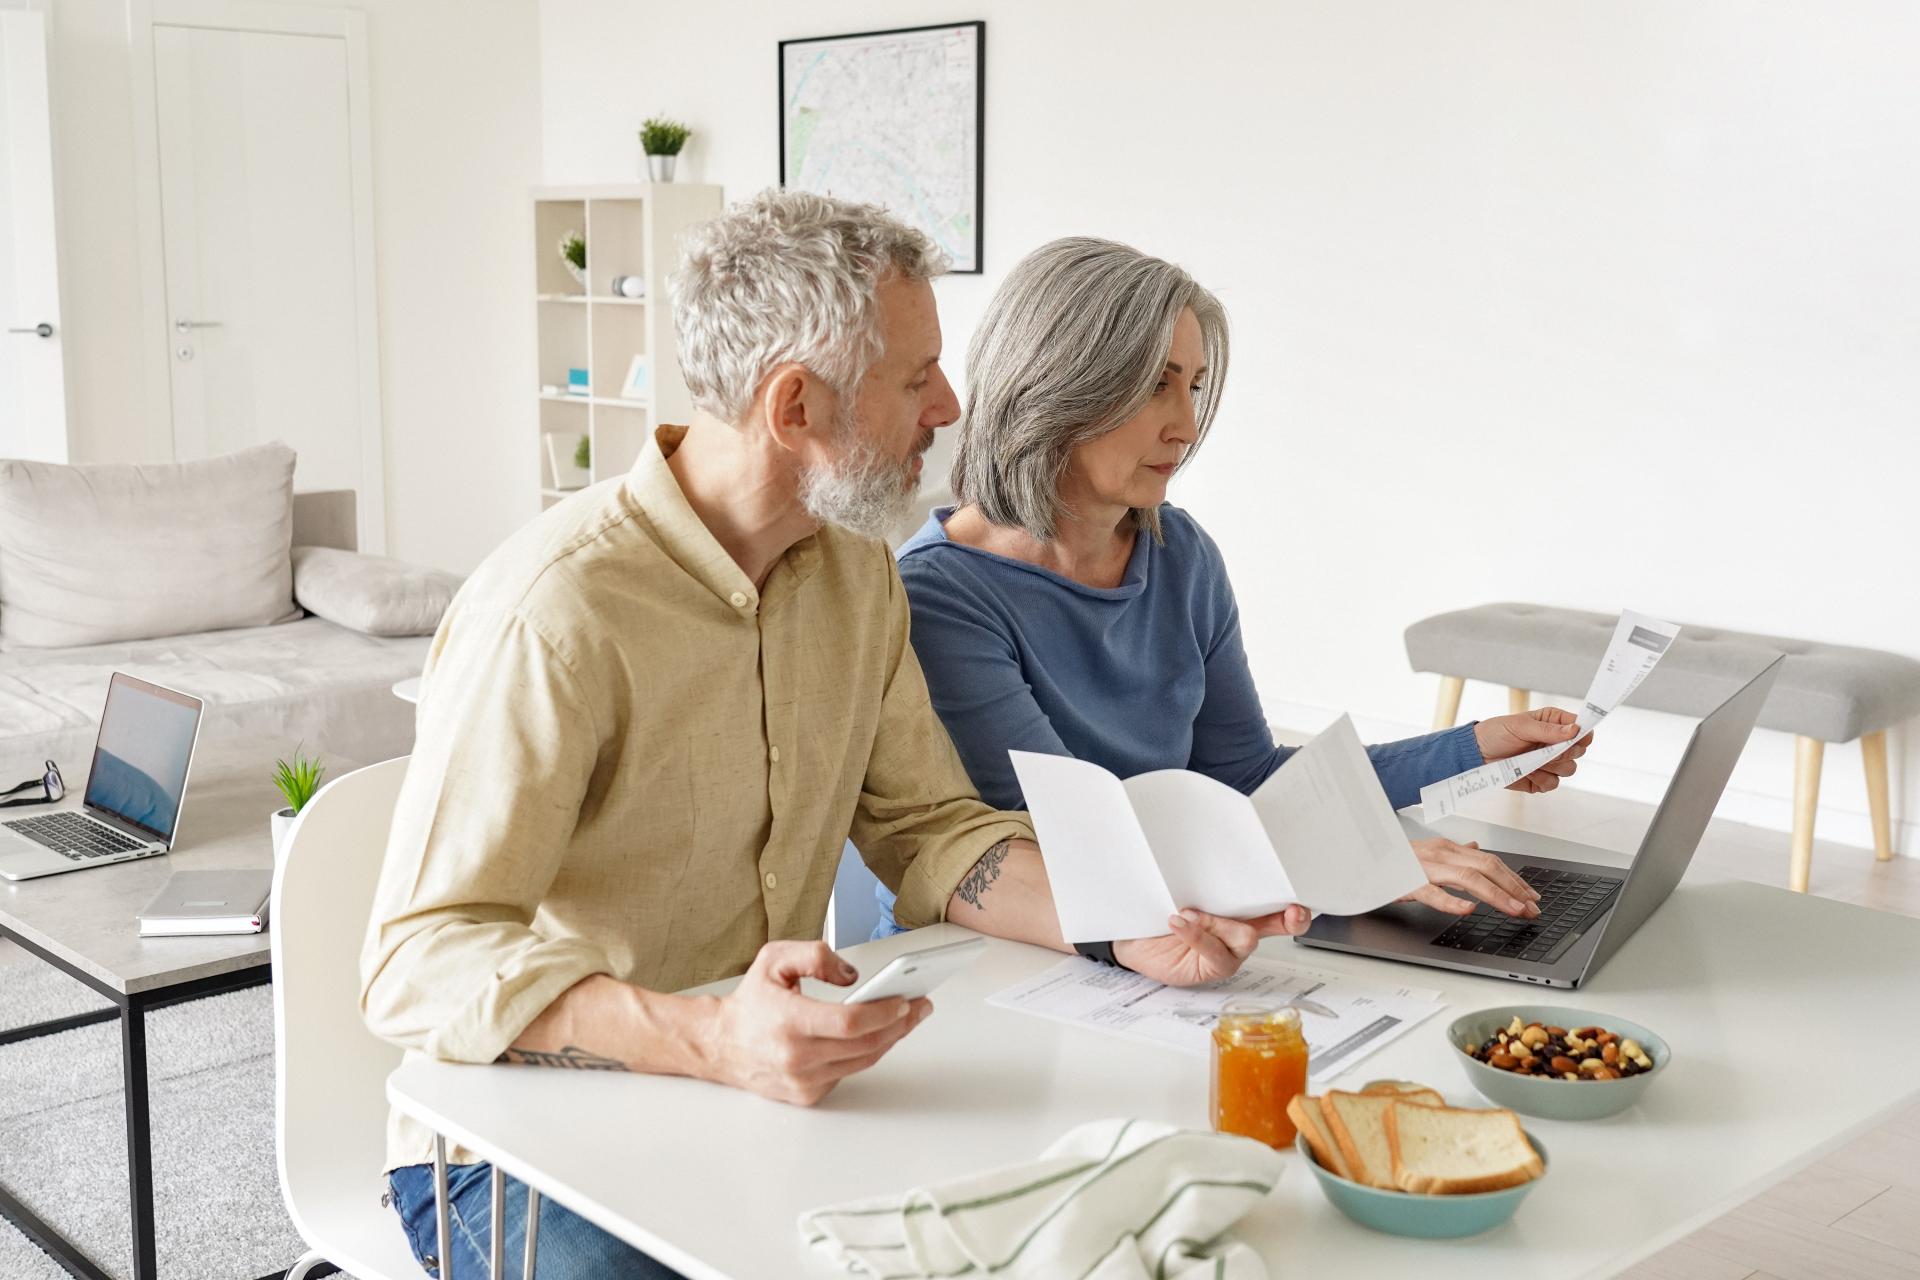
[188,326]
[43,329]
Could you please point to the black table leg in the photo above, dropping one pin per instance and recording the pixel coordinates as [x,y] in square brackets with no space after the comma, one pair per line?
[132,1012]
[133,1058]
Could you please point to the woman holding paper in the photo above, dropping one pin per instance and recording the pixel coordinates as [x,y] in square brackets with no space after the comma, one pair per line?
[1064,607]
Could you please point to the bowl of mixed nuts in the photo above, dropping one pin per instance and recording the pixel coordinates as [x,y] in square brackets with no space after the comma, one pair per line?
[1556,1062]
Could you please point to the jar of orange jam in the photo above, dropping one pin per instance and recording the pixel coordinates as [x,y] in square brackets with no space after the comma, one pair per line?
[1259,1065]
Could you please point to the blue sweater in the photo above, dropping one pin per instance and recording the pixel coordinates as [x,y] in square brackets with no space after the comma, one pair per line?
[1147,675]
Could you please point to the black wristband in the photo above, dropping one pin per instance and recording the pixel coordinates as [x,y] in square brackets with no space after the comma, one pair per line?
[1101,951]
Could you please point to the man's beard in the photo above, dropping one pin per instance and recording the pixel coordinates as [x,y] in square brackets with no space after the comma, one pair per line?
[862,490]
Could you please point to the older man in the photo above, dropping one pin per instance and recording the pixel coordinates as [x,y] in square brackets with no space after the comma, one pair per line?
[654,715]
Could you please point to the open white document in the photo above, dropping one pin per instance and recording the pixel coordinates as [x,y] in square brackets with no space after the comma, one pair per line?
[1638,644]
[1343,1019]
[1123,856]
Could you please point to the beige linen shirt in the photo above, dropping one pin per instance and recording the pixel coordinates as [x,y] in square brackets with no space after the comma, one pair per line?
[631,761]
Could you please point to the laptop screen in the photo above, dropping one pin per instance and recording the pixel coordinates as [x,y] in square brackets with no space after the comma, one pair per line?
[140,759]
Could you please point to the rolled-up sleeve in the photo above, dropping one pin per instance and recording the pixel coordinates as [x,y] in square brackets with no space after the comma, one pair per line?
[506,746]
[919,823]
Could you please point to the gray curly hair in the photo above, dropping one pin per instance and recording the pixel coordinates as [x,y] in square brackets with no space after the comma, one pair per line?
[787,276]
[1071,346]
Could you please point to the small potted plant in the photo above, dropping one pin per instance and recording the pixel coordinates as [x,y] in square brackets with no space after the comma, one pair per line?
[573,252]
[297,781]
[662,139]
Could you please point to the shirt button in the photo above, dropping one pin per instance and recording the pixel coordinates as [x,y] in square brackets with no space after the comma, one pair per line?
[739,599]
[773,881]
[773,754]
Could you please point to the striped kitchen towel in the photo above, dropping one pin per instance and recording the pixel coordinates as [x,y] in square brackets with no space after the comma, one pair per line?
[1112,1200]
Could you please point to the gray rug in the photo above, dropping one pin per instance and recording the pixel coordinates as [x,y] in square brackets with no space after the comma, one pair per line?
[217,1207]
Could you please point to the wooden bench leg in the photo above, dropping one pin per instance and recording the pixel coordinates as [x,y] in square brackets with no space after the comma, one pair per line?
[1447,710]
[1806,794]
[1873,754]
[1519,701]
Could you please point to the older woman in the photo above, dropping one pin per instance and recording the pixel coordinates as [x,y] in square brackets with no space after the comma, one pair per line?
[1064,606]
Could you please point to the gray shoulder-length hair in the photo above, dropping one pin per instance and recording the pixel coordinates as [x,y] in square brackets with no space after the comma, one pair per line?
[1071,346]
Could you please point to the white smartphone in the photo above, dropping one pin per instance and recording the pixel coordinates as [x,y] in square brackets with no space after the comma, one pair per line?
[917,973]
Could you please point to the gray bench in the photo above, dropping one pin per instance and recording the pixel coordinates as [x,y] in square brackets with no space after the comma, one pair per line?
[1824,693]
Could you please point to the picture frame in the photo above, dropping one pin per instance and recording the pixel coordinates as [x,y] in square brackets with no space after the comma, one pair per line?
[638,384]
[844,134]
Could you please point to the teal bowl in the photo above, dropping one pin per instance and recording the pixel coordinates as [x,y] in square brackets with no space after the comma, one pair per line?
[1547,1098]
[1423,1217]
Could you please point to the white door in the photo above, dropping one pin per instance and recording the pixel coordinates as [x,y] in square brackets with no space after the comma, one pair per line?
[33,395]
[267,251]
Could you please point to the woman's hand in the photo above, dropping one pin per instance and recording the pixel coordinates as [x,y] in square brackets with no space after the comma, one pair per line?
[1204,948]
[1513,735]
[1465,866]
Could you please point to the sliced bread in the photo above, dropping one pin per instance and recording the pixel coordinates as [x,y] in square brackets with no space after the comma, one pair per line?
[1407,1091]
[1454,1151]
[1305,1114]
[1358,1123]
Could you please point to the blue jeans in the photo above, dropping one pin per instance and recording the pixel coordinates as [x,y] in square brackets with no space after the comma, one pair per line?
[887,926]
[570,1247]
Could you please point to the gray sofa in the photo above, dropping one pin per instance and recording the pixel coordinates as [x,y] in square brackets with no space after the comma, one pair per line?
[267,689]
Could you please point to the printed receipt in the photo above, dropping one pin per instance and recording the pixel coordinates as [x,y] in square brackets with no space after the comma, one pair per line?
[1638,644]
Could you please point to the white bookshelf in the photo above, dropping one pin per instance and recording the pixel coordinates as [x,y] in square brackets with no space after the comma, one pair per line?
[632,229]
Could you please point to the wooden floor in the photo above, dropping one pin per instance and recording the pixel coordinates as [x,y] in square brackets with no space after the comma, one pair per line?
[1851,1215]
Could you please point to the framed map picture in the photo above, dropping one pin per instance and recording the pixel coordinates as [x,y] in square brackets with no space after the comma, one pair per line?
[892,118]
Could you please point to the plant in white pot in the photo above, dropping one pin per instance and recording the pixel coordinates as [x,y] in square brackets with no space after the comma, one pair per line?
[662,140]
[297,781]
[573,252]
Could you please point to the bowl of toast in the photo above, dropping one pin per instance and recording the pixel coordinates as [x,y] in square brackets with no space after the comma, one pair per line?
[1397,1158]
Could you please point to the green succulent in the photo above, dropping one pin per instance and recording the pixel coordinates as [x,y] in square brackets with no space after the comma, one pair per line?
[299,779]
[583,453]
[573,247]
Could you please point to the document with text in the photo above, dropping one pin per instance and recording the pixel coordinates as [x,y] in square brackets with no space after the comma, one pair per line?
[1123,856]
[1343,1019]
[1638,644]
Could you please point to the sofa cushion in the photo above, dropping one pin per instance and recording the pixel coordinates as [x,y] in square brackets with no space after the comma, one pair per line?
[373,594]
[96,554]
[268,690]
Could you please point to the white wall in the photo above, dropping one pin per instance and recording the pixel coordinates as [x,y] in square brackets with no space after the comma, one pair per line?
[456,138]
[1593,305]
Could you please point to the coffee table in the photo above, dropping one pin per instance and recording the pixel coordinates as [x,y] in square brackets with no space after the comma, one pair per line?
[84,924]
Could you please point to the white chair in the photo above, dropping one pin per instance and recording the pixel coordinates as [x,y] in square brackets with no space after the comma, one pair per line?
[330,1072]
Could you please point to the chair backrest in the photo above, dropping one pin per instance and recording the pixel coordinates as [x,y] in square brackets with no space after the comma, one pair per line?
[330,1106]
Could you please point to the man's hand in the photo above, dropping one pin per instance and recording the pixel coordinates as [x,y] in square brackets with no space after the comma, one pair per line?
[1505,736]
[1204,948]
[1465,866]
[770,1039]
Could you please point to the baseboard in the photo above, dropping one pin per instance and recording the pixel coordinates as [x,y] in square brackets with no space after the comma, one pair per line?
[1834,822]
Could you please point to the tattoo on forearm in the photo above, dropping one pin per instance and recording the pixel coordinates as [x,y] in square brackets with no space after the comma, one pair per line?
[984,873]
[572,1058]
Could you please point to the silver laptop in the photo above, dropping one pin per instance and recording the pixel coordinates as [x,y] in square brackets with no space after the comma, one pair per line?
[1587,910]
[134,789]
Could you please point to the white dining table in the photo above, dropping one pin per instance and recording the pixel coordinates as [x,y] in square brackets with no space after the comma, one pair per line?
[1792,1021]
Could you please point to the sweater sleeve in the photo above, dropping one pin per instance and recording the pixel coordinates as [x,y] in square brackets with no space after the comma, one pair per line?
[1233,742]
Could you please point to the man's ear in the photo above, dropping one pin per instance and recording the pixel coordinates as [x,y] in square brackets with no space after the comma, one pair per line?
[795,406]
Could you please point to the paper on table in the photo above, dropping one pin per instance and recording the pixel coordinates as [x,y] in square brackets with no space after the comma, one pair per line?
[1638,644]
[1123,856]
[1343,1019]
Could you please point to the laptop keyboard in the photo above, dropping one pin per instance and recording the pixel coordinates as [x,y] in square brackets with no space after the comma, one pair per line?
[1568,902]
[74,836]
